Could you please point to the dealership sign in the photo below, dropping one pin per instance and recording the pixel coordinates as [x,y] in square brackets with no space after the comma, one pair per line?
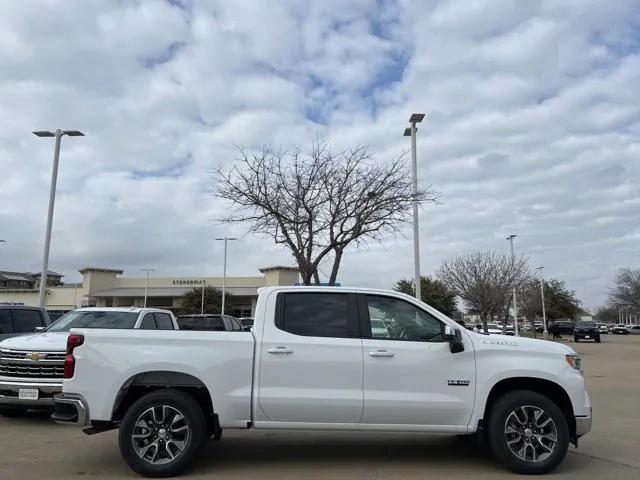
[189,283]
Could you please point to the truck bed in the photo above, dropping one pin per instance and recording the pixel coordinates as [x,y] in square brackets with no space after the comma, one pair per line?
[108,359]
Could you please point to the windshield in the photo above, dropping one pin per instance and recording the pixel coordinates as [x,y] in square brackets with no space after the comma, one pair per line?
[586,324]
[79,319]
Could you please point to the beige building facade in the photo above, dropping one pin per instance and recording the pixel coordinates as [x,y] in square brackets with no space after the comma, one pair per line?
[109,287]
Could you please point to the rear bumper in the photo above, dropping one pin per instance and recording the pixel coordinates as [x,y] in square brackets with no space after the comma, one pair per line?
[9,393]
[70,410]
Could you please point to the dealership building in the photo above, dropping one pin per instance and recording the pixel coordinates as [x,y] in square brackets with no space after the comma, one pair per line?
[109,287]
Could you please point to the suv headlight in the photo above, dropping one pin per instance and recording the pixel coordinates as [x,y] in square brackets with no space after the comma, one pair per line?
[574,362]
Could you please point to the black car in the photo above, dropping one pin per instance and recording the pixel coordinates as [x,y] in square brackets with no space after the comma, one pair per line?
[560,327]
[18,320]
[209,322]
[586,330]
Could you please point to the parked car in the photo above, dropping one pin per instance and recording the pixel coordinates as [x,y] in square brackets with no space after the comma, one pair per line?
[32,366]
[633,329]
[209,322]
[620,329]
[18,320]
[510,330]
[314,362]
[247,322]
[562,327]
[602,328]
[586,330]
[494,329]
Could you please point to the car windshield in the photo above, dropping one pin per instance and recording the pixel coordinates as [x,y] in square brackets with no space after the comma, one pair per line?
[94,319]
[586,324]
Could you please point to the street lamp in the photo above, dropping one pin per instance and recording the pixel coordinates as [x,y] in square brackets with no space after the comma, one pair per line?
[146,283]
[515,305]
[224,268]
[411,132]
[545,333]
[52,198]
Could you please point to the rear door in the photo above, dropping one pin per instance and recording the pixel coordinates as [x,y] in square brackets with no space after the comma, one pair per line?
[410,375]
[311,360]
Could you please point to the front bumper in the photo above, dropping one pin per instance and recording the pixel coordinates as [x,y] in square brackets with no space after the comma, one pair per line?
[583,425]
[71,409]
[9,392]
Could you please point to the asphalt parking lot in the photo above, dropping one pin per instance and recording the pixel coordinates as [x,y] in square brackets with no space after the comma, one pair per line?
[33,447]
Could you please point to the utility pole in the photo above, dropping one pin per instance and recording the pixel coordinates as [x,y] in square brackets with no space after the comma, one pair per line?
[52,199]
[224,268]
[146,284]
[515,305]
[411,132]
[202,301]
[545,333]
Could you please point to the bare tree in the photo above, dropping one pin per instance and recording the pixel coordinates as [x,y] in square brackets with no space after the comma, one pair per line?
[318,204]
[626,291]
[484,280]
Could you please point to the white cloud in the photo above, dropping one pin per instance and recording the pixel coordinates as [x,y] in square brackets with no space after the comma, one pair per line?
[532,126]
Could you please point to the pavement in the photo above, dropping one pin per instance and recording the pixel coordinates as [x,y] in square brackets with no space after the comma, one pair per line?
[33,447]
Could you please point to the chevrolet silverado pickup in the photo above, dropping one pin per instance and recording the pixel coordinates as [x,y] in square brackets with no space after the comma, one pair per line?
[32,366]
[325,358]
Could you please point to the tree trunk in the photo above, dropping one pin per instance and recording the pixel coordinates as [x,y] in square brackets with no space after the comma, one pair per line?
[336,266]
[316,276]
[483,319]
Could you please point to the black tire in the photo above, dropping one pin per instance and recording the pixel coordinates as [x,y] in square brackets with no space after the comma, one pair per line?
[499,415]
[598,339]
[575,339]
[194,418]
[12,411]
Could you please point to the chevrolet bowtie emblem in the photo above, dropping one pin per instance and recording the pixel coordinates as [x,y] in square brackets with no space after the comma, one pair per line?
[34,356]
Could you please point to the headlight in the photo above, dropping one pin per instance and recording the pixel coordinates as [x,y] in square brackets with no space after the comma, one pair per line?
[574,362]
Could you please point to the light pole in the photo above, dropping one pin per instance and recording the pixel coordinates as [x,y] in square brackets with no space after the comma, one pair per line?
[411,132]
[545,333]
[146,283]
[202,300]
[515,305]
[224,268]
[52,199]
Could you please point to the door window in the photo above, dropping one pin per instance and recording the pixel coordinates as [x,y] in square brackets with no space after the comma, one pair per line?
[26,320]
[148,322]
[163,321]
[396,319]
[316,315]
[5,322]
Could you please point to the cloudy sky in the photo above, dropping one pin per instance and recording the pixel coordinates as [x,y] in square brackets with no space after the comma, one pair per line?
[533,126]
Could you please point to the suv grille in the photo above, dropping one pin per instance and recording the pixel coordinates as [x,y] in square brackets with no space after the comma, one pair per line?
[29,364]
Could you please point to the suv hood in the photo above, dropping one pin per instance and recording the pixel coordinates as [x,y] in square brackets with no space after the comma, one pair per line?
[512,343]
[45,341]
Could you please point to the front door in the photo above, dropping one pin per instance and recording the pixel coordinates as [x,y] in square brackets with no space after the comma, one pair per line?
[311,360]
[410,374]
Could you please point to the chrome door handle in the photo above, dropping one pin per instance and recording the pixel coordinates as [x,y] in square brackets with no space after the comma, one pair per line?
[280,350]
[381,353]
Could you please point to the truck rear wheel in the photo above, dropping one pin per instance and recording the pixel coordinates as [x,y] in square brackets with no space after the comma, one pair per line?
[161,433]
[527,432]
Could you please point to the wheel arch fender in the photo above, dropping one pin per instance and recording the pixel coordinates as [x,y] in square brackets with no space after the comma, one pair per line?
[146,382]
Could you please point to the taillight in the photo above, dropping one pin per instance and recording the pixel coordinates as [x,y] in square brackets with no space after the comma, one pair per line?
[69,362]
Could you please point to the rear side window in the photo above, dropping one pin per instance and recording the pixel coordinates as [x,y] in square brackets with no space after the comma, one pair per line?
[26,320]
[316,314]
[211,323]
[148,322]
[5,322]
[163,321]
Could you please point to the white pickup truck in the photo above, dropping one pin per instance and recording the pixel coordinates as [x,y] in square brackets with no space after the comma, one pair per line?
[313,361]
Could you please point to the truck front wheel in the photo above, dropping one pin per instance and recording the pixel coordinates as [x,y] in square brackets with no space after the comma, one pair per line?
[161,433]
[527,432]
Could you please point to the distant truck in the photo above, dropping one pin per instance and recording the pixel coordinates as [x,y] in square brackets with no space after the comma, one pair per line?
[32,366]
[325,358]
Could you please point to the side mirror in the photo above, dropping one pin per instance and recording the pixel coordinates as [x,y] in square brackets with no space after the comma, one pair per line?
[39,329]
[454,338]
